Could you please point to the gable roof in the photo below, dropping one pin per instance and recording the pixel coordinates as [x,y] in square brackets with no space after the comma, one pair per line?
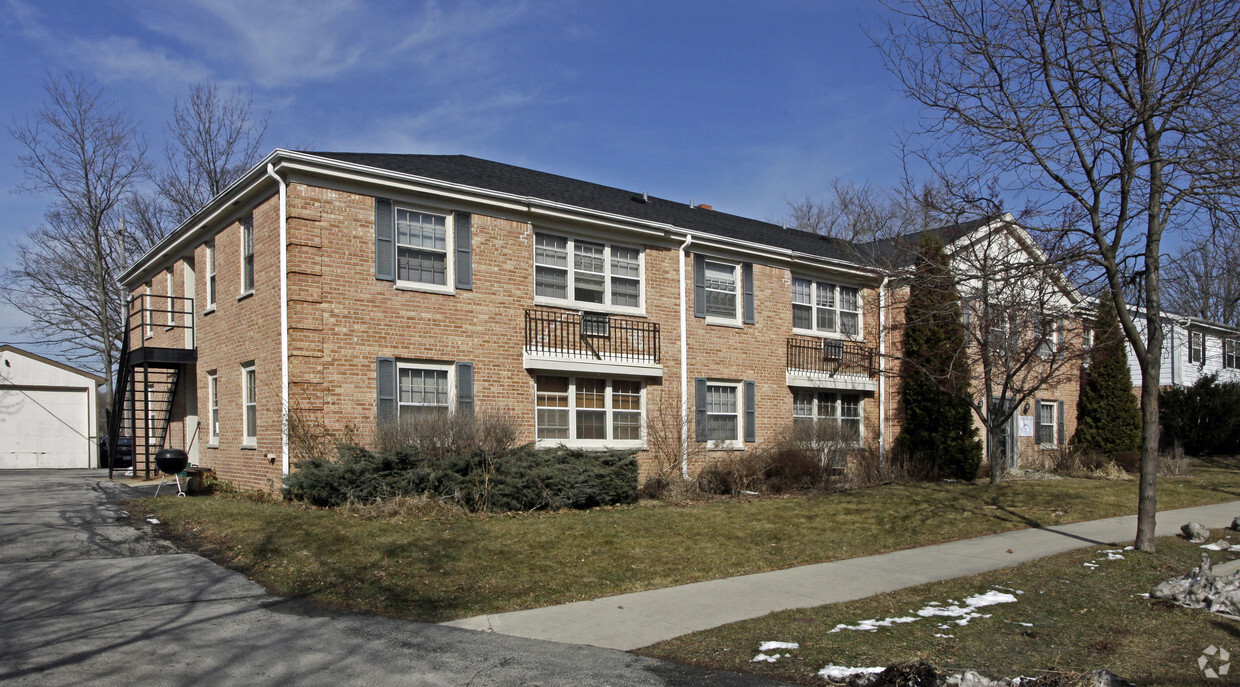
[497,176]
[9,348]
[899,252]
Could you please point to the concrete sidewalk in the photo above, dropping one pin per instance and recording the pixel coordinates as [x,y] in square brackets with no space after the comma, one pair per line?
[630,621]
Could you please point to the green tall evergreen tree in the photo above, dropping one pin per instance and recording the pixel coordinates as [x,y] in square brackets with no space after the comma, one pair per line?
[938,435]
[1107,418]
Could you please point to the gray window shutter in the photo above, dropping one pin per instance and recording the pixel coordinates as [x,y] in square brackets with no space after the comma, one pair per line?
[700,421]
[463,226]
[385,241]
[1039,434]
[1059,417]
[747,284]
[751,413]
[465,388]
[699,286]
[385,375]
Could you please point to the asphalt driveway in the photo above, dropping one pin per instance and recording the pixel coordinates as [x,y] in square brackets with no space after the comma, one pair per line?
[87,599]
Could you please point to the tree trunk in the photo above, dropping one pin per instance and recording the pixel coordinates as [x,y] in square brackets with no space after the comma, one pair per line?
[1147,499]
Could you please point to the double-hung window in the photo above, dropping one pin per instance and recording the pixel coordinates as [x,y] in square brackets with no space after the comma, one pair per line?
[213,406]
[588,411]
[837,414]
[721,290]
[1046,424]
[586,273]
[249,405]
[723,419]
[1196,347]
[421,247]
[210,275]
[247,255]
[1231,353]
[422,390]
[823,307]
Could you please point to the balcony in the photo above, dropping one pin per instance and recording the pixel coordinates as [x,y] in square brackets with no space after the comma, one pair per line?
[572,341]
[831,364]
[161,330]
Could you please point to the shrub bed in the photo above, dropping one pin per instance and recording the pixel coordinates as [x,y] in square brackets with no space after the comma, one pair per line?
[517,479]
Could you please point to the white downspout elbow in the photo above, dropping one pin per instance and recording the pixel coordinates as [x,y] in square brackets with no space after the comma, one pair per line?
[284,400]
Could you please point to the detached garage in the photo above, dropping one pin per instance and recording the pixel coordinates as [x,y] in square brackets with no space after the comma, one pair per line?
[48,417]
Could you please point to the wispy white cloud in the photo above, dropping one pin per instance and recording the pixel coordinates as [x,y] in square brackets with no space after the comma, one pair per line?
[449,126]
[117,58]
[287,43]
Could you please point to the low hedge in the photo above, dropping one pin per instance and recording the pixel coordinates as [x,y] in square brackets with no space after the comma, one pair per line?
[518,479]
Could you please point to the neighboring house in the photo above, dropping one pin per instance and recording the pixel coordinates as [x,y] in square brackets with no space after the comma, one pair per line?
[48,416]
[1021,314]
[355,289]
[1192,349]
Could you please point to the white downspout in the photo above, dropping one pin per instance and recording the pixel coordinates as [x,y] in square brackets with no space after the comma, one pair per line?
[882,369]
[284,457]
[684,366]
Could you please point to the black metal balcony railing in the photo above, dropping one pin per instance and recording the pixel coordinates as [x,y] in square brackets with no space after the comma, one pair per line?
[151,313]
[591,336]
[825,356]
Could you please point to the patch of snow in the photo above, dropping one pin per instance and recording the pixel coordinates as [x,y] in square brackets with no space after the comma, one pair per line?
[768,646]
[153,521]
[1144,596]
[1220,545]
[840,673]
[936,634]
[763,657]
[963,614]
[1091,566]
[1130,548]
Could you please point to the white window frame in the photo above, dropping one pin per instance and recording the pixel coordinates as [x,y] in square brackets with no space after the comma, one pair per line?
[147,329]
[1050,428]
[213,408]
[449,242]
[837,292]
[246,233]
[172,318]
[570,270]
[210,277]
[448,369]
[249,386]
[609,409]
[738,294]
[737,442]
[1231,354]
[1196,347]
[817,415]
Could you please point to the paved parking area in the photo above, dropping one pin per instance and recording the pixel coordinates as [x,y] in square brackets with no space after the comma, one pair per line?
[87,599]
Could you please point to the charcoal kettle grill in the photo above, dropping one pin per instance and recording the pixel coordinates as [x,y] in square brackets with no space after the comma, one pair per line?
[171,461]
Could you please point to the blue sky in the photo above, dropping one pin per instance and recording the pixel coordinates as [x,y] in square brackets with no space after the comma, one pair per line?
[740,105]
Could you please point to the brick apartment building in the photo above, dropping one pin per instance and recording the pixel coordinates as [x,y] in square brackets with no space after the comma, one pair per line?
[351,289]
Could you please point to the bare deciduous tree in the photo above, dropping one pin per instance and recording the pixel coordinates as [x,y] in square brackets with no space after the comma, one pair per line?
[87,156]
[865,213]
[213,139]
[1203,278]
[1124,115]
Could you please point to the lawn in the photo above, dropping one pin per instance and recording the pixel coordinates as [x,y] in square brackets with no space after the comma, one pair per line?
[437,569]
[1067,616]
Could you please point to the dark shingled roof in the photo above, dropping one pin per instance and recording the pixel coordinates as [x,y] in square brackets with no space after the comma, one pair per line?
[899,251]
[496,176]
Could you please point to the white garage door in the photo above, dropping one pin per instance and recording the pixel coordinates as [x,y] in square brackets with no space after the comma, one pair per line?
[42,428]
